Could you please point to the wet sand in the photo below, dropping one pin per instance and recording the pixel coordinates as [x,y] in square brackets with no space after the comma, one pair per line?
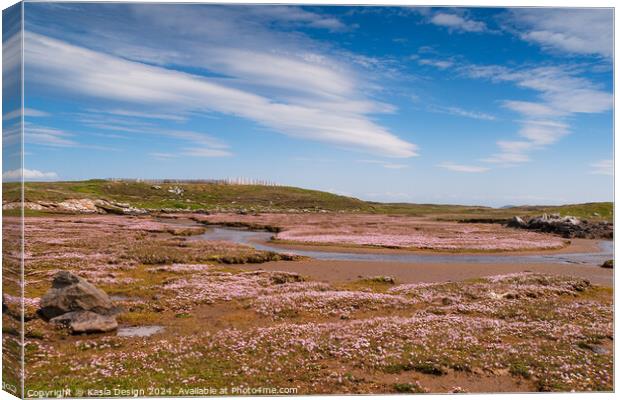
[433,266]
[344,271]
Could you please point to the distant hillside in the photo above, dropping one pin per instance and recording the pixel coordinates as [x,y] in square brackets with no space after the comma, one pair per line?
[213,196]
[186,195]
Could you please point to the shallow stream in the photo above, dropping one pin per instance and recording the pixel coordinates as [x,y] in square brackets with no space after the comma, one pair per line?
[260,240]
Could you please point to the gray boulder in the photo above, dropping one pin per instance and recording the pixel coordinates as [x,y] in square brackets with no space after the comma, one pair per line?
[86,322]
[72,293]
[568,226]
[118,208]
[517,222]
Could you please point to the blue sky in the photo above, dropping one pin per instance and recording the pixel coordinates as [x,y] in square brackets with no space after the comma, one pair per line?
[441,105]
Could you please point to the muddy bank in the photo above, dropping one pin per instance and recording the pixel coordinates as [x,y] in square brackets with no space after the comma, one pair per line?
[575,246]
[345,271]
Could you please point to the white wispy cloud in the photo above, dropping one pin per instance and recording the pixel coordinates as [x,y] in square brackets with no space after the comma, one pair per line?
[142,114]
[11,133]
[40,135]
[530,108]
[203,144]
[463,113]
[462,168]
[46,136]
[561,93]
[441,64]
[205,152]
[543,133]
[395,166]
[163,156]
[602,167]
[576,31]
[28,174]
[192,152]
[560,89]
[11,61]
[291,15]
[457,22]
[507,158]
[100,75]
[28,112]
[385,164]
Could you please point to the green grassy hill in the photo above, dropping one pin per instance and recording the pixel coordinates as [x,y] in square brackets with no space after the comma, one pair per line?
[194,195]
[264,198]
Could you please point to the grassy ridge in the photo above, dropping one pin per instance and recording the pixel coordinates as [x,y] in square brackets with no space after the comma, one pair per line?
[194,195]
[268,198]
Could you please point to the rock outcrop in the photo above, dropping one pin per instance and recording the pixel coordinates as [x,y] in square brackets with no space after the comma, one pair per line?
[85,206]
[80,206]
[517,222]
[119,208]
[74,302]
[568,226]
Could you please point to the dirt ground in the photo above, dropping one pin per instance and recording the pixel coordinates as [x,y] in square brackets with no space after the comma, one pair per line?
[346,271]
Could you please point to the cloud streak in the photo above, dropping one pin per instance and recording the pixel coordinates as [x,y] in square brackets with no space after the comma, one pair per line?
[28,175]
[28,112]
[602,167]
[385,164]
[441,64]
[95,74]
[561,93]
[575,31]
[457,22]
[134,124]
[463,113]
[462,167]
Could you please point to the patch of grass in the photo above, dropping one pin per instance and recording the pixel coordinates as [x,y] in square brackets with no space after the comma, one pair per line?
[382,279]
[139,318]
[520,369]
[374,285]
[408,388]
[194,195]
[423,367]
[173,252]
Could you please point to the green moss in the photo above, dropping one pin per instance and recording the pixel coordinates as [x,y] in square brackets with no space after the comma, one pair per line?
[407,388]
[520,369]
